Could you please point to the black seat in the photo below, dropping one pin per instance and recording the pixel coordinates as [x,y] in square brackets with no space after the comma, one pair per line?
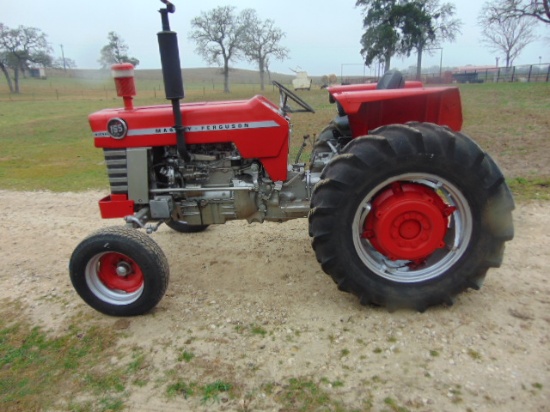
[392,79]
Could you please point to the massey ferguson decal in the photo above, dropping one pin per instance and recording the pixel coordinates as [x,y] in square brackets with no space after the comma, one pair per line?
[194,129]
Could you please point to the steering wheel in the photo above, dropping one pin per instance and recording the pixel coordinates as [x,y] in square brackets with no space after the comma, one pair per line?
[285,95]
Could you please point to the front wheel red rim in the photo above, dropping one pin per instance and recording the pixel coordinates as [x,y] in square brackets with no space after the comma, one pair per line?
[114,278]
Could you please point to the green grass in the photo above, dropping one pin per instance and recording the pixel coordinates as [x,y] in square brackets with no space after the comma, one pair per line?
[47,144]
[258,330]
[394,406]
[181,388]
[209,393]
[510,121]
[38,370]
[303,394]
[186,356]
[530,188]
[212,391]
[475,355]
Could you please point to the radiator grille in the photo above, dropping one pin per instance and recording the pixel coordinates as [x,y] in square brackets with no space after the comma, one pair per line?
[116,161]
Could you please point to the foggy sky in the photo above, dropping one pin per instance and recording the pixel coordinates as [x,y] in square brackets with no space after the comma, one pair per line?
[323,36]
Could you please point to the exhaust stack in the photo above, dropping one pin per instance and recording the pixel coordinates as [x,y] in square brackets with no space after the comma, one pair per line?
[171,71]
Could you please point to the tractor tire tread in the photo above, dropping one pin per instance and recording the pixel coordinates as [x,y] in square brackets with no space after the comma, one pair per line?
[383,150]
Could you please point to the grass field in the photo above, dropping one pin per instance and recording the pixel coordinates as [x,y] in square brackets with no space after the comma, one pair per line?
[46,142]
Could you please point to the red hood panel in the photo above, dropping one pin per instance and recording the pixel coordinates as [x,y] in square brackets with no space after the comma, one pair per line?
[254,126]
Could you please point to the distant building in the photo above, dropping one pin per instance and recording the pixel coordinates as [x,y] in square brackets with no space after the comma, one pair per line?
[37,72]
[302,81]
[469,74]
[468,69]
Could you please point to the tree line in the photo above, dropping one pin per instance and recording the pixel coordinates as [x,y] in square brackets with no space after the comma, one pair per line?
[23,47]
[223,36]
[19,48]
[401,27]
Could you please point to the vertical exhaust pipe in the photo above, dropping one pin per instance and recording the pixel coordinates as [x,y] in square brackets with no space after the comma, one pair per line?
[171,73]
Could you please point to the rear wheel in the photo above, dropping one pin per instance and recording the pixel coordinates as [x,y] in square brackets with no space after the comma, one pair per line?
[119,271]
[410,216]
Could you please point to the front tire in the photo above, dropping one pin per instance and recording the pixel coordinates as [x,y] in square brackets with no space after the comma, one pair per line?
[410,216]
[119,271]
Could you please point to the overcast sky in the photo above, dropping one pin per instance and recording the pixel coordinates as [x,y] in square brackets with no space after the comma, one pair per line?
[322,36]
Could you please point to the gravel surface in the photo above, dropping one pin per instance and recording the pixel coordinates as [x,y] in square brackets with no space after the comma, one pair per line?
[252,305]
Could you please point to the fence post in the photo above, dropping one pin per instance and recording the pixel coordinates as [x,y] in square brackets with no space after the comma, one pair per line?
[498,75]
[513,73]
[529,75]
[548,73]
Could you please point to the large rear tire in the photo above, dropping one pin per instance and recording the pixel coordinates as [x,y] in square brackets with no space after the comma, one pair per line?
[410,216]
[119,271]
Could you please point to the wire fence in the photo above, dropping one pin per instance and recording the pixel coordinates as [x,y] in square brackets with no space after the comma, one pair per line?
[91,86]
[526,73]
[53,89]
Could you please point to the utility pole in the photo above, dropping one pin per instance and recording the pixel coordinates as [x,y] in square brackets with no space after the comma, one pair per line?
[63,57]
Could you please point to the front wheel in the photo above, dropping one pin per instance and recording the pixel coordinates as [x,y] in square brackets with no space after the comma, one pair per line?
[119,271]
[410,216]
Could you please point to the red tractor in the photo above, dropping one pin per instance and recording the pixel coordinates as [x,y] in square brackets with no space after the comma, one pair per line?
[404,210]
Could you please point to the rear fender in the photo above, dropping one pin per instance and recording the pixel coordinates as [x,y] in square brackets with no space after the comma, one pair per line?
[409,84]
[369,109]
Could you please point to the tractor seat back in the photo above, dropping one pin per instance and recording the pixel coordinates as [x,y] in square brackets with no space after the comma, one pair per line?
[392,79]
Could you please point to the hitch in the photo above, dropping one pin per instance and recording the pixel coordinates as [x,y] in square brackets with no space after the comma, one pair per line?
[139,220]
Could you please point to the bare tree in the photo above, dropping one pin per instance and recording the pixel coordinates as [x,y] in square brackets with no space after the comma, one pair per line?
[19,48]
[502,34]
[219,35]
[515,9]
[116,51]
[261,41]
[64,63]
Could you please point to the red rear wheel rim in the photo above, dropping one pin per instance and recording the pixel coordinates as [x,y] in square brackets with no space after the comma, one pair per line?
[408,221]
[441,203]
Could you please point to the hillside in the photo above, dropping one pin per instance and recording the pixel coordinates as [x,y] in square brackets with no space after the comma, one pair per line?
[194,75]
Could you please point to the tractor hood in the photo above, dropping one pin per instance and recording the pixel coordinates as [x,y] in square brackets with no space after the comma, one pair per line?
[255,126]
